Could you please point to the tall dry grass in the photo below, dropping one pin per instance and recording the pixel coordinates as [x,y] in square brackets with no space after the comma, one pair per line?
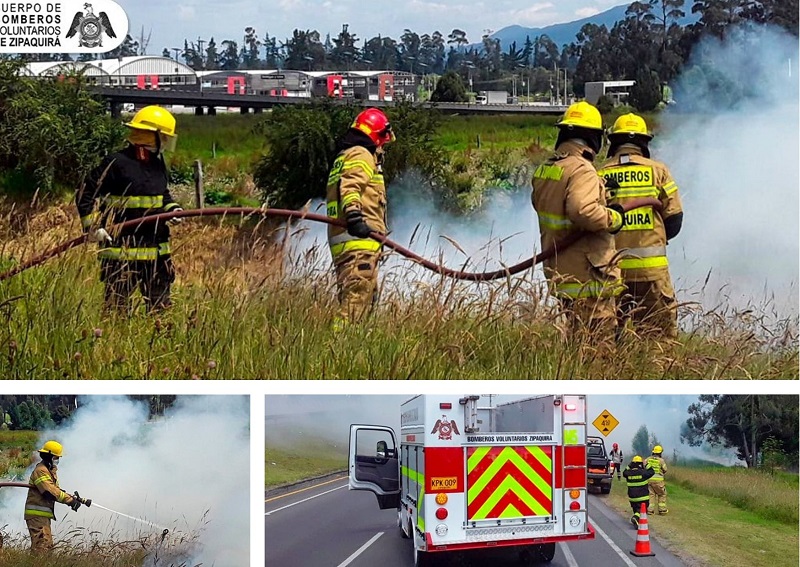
[248,304]
[771,496]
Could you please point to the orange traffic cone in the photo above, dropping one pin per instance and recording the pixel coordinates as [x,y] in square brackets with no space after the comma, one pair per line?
[643,536]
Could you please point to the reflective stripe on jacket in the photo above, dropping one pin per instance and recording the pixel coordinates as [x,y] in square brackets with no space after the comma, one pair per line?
[569,196]
[355,182]
[643,235]
[127,185]
[658,465]
[44,493]
[637,479]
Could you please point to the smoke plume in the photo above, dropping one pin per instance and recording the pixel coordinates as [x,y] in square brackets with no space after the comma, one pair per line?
[188,471]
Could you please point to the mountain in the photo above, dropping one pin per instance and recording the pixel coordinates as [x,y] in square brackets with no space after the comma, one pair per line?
[562,34]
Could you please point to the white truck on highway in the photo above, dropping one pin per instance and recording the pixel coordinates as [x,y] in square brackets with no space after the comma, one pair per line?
[492,97]
[467,477]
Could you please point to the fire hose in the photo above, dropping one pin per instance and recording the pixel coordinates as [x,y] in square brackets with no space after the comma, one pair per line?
[289,214]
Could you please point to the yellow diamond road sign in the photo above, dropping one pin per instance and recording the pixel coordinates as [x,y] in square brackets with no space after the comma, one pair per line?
[605,422]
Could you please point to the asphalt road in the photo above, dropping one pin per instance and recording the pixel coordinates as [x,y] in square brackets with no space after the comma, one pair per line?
[322,524]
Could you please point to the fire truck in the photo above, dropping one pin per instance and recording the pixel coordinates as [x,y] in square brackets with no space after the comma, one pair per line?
[467,477]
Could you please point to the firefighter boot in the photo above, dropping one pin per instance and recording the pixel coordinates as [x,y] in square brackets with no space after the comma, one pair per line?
[635,521]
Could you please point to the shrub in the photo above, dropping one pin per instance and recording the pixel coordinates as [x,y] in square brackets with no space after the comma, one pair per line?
[52,131]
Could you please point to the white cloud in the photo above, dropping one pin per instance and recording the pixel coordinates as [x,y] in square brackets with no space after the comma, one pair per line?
[586,12]
[186,13]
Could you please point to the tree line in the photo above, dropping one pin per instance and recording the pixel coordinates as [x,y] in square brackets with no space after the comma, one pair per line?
[37,413]
[649,40]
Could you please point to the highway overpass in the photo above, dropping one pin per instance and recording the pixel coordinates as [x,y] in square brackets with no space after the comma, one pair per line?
[206,101]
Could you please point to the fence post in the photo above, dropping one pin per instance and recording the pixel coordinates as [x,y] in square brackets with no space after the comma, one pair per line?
[199,195]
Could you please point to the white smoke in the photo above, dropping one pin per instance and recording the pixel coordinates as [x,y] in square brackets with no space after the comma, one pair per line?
[188,471]
[735,159]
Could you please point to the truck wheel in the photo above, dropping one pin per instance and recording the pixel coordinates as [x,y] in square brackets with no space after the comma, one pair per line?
[605,489]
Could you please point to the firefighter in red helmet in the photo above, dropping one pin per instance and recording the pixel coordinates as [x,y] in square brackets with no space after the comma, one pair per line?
[356,194]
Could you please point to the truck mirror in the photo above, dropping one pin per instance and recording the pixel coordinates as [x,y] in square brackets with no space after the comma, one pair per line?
[382,449]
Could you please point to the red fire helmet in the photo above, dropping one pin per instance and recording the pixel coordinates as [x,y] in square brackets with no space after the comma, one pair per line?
[375,124]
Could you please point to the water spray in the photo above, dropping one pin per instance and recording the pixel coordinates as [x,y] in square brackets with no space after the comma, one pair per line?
[135,519]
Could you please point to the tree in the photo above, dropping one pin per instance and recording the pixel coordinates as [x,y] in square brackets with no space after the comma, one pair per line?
[229,58]
[743,422]
[646,93]
[52,131]
[641,442]
[450,88]
[250,48]
[128,48]
[345,50]
[212,57]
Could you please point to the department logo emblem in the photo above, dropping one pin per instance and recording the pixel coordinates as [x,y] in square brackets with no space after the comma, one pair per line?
[90,27]
[445,428]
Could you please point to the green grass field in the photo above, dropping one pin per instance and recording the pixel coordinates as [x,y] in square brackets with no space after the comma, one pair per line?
[16,448]
[725,516]
[286,465]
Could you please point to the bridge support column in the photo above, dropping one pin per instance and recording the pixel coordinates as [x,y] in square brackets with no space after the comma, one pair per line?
[116,109]
[212,110]
[244,110]
[258,110]
[198,111]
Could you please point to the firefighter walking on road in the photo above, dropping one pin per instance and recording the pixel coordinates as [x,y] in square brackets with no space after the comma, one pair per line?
[128,185]
[617,458]
[648,299]
[43,495]
[637,477]
[658,490]
[356,194]
[569,196]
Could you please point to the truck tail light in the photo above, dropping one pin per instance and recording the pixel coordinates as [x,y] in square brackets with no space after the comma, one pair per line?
[446,405]
[441,513]
[441,499]
[574,494]
[570,407]
[574,505]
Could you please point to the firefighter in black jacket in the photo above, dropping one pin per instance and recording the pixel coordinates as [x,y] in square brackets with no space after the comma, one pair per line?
[128,185]
[636,476]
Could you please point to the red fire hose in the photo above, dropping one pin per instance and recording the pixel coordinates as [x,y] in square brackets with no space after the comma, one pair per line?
[302,215]
[17,484]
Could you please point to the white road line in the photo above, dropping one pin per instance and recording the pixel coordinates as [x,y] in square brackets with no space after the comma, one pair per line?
[568,555]
[304,500]
[360,550]
[614,546]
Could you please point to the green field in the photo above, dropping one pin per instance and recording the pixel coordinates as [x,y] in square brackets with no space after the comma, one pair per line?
[725,516]
[286,465]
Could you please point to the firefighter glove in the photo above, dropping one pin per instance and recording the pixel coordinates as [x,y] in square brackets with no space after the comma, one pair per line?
[100,235]
[617,218]
[611,186]
[76,502]
[175,220]
[356,225]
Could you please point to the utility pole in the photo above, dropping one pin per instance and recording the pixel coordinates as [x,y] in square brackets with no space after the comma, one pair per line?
[200,43]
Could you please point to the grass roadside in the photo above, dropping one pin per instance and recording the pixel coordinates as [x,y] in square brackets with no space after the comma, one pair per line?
[16,450]
[285,466]
[712,532]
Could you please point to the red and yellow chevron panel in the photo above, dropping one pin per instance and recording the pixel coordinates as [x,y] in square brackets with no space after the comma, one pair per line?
[509,482]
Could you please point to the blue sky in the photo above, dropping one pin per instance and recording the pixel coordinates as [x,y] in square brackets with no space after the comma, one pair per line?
[171,22]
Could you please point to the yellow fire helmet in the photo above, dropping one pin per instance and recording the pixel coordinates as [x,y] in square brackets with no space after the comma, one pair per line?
[156,119]
[658,449]
[582,115]
[637,459]
[631,125]
[53,448]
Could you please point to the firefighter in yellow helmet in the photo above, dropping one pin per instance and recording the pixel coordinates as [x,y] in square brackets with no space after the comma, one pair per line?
[43,495]
[637,477]
[356,194]
[648,299]
[658,490]
[569,196]
[128,185]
